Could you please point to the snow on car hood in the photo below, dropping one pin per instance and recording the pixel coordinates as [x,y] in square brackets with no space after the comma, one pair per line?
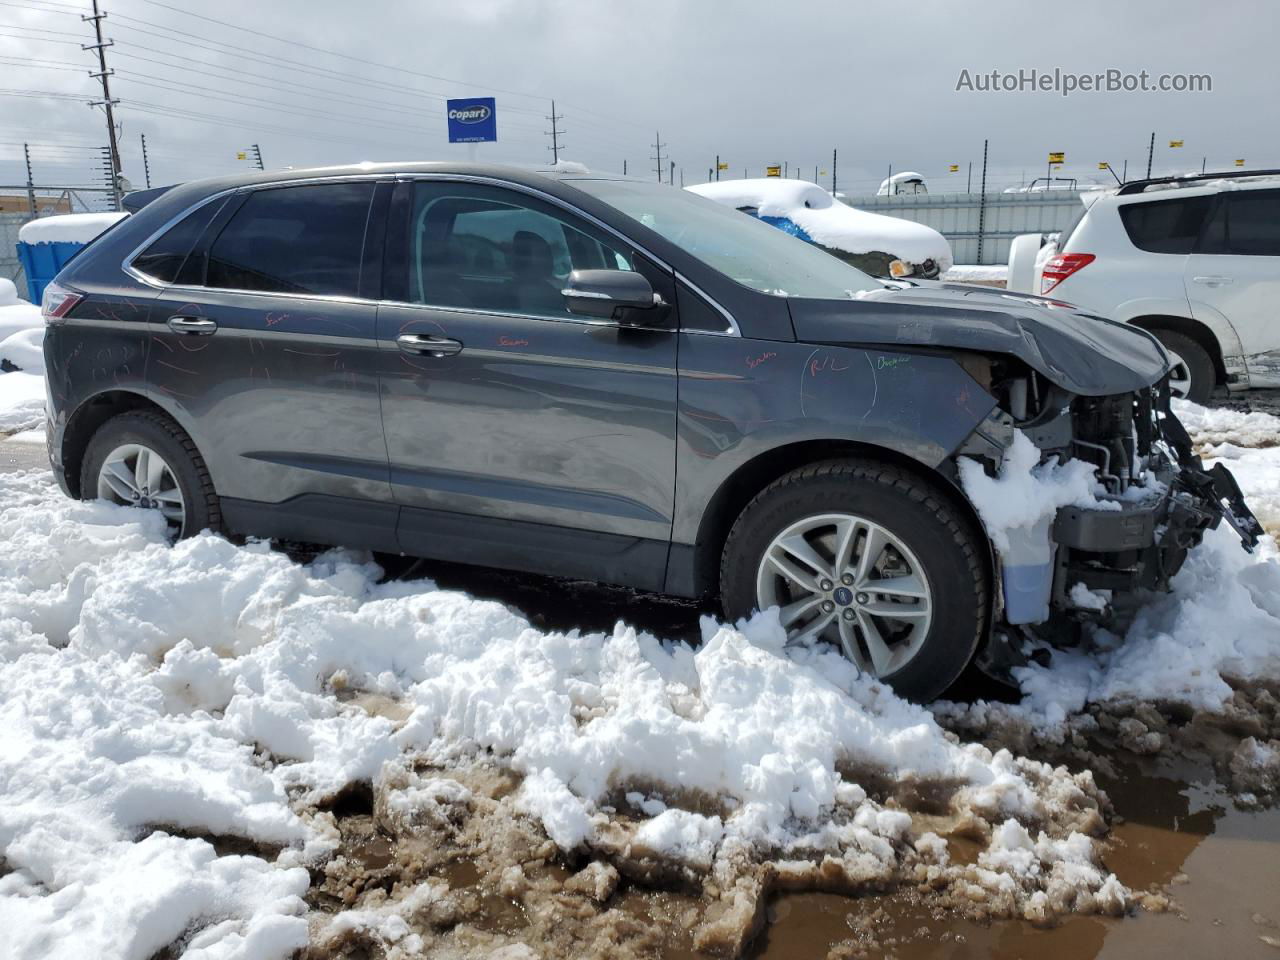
[830,223]
[1088,355]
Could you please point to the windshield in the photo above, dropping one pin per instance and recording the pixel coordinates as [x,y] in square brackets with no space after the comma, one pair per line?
[753,253]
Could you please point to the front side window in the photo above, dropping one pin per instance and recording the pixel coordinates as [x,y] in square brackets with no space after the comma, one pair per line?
[750,251]
[492,249]
[304,239]
[1165,226]
[167,258]
[1246,223]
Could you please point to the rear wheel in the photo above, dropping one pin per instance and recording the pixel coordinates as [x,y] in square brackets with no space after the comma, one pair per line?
[143,459]
[1193,376]
[870,559]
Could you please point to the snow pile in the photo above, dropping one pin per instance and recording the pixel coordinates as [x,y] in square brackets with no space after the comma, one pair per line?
[165,700]
[68,228]
[22,400]
[1026,493]
[16,315]
[24,350]
[1221,425]
[829,222]
[908,181]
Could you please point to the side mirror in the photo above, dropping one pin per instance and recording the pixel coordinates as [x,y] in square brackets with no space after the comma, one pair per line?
[611,294]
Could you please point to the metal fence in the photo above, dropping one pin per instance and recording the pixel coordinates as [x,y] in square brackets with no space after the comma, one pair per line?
[10,267]
[958,216]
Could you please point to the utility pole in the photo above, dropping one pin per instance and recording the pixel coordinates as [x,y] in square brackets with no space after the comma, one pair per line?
[554,133]
[784,170]
[624,168]
[657,156]
[257,155]
[815,173]
[1151,152]
[1125,175]
[106,102]
[982,202]
[146,165]
[833,172]
[717,167]
[31,184]
[968,187]
[671,173]
[682,176]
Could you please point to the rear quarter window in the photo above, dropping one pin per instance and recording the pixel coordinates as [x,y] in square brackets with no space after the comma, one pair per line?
[304,239]
[1166,226]
[166,259]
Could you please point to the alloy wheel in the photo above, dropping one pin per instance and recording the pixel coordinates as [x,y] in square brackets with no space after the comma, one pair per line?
[848,580]
[134,475]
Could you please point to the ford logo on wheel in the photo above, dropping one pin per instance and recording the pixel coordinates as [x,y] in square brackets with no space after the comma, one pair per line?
[477,114]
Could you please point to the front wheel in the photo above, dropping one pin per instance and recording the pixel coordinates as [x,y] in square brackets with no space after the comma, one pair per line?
[1193,376]
[143,459]
[869,558]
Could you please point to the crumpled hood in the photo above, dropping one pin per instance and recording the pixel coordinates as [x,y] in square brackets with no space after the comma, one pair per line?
[1085,354]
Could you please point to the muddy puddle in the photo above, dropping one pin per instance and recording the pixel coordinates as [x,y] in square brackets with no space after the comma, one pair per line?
[1174,831]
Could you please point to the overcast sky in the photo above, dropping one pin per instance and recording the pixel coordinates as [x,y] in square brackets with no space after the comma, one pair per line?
[756,82]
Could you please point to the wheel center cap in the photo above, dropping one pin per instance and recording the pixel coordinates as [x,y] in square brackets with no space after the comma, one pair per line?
[843,596]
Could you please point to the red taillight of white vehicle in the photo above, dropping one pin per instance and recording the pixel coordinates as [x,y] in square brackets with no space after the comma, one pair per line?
[57,302]
[1056,269]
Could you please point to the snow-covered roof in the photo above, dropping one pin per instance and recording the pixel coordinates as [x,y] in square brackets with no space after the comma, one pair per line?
[68,228]
[829,222]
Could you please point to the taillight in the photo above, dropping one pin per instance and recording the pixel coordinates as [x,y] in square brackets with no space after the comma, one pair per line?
[57,302]
[1057,269]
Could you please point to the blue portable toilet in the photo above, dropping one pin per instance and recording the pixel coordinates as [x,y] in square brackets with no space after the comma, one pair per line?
[45,245]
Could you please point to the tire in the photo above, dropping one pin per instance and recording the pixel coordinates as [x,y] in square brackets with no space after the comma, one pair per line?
[1196,361]
[157,434]
[934,535]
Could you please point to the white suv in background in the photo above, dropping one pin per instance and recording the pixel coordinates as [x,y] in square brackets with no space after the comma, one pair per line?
[1195,260]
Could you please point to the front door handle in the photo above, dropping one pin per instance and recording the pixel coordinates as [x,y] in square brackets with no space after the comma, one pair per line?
[425,344]
[196,326]
[1212,281]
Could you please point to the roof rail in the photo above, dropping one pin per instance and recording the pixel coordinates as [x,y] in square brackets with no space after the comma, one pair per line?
[1137,186]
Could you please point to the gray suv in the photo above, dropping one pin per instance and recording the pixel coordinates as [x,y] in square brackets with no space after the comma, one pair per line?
[602,378]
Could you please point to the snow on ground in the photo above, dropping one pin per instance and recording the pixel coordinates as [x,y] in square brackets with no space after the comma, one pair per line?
[829,222]
[159,695]
[21,401]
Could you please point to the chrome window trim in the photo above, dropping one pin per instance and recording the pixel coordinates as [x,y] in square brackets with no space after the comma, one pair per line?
[733,330]
[130,270]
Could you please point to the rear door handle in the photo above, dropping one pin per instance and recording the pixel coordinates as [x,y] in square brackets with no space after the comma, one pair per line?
[196,326]
[422,343]
[1212,281]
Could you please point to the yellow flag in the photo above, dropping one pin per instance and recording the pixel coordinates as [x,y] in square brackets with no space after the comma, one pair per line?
[1104,165]
[241,155]
[1057,158]
[954,168]
[722,166]
[773,171]
[1175,143]
[1240,162]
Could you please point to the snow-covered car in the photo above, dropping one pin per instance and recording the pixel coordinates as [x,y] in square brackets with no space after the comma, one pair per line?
[906,182]
[616,380]
[869,241]
[1195,260]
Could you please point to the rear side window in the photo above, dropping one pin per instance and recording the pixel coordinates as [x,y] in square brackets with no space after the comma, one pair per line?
[1246,223]
[1165,226]
[166,259]
[306,239]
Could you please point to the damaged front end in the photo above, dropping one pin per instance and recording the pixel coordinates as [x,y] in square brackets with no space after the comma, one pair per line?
[1152,501]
